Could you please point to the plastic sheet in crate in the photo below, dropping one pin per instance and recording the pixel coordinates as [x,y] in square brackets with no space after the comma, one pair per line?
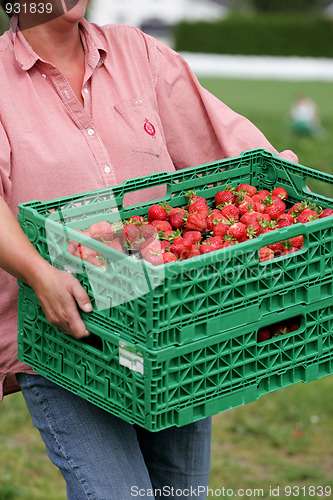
[177,385]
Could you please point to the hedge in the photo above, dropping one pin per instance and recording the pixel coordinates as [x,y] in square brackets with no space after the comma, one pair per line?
[258,35]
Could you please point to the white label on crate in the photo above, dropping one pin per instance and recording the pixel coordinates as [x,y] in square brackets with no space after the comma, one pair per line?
[131,357]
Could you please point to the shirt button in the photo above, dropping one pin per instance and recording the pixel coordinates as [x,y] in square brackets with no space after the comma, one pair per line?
[107,169]
[91,131]
[86,91]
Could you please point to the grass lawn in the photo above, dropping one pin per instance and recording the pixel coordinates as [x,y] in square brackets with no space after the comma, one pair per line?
[283,440]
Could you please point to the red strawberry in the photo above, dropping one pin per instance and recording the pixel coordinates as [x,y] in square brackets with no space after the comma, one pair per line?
[278,248]
[250,217]
[192,197]
[177,220]
[72,248]
[266,253]
[285,220]
[136,219]
[213,215]
[307,215]
[293,324]
[263,334]
[242,198]
[247,189]
[200,207]
[165,246]
[193,236]
[101,231]
[279,329]
[280,192]
[254,229]
[259,207]
[130,234]
[237,230]
[220,229]
[274,207]
[116,245]
[150,245]
[169,257]
[157,212]
[195,251]
[85,252]
[326,213]
[161,225]
[296,209]
[181,247]
[297,241]
[263,193]
[230,211]
[155,258]
[196,222]
[245,207]
[148,231]
[226,196]
[216,242]
[95,261]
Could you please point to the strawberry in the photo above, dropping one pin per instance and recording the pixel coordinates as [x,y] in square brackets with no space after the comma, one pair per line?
[165,246]
[274,207]
[220,229]
[250,217]
[177,220]
[155,258]
[192,197]
[262,194]
[241,198]
[259,206]
[130,234]
[195,251]
[193,236]
[161,225]
[169,257]
[279,329]
[263,334]
[196,222]
[116,245]
[326,213]
[226,196]
[293,324]
[211,244]
[245,207]
[95,261]
[280,192]
[278,248]
[230,211]
[254,229]
[72,248]
[307,215]
[181,247]
[297,242]
[200,207]
[237,230]
[213,215]
[101,231]
[247,189]
[136,219]
[285,220]
[266,253]
[148,231]
[157,212]
[85,252]
[150,245]
[296,209]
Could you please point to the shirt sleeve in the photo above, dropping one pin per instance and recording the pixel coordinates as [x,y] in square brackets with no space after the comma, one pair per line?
[198,127]
[5,163]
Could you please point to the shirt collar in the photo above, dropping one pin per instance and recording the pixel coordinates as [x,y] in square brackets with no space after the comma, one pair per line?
[26,57]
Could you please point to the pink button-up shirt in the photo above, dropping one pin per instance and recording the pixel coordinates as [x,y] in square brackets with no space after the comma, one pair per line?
[144,111]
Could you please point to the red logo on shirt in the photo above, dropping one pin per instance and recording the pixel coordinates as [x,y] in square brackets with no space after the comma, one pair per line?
[149,128]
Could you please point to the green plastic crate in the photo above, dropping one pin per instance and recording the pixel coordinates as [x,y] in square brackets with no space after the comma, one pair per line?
[183,301]
[177,385]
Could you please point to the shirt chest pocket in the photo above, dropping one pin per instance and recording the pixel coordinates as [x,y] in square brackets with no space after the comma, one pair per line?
[140,124]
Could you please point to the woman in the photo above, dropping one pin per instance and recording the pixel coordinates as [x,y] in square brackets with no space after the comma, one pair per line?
[84,107]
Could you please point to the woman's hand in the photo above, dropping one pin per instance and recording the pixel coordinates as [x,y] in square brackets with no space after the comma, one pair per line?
[61,295]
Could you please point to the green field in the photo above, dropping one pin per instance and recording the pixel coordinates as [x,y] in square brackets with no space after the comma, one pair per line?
[284,440]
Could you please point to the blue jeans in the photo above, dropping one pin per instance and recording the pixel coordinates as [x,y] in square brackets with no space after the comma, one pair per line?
[102,457]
